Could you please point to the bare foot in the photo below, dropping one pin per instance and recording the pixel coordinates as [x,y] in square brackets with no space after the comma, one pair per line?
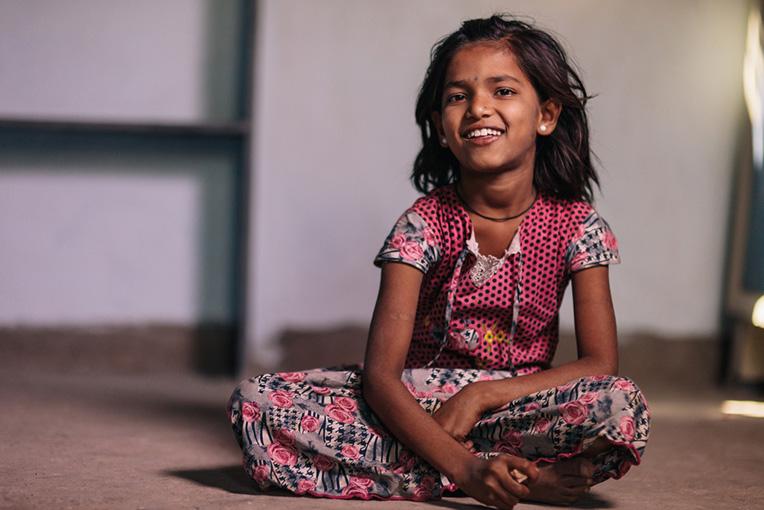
[563,482]
[600,445]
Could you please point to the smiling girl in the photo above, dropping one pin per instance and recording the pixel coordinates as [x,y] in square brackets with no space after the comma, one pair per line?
[457,390]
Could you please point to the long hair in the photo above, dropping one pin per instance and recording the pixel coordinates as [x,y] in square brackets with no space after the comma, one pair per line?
[563,166]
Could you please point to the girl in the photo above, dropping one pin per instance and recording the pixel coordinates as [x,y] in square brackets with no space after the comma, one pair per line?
[457,391]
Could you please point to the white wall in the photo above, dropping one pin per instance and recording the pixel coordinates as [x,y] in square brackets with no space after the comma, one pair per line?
[92,238]
[99,230]
[105,238]
[336,138]
[140,60]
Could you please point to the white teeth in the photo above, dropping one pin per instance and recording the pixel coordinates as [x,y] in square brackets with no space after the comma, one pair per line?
[483,132]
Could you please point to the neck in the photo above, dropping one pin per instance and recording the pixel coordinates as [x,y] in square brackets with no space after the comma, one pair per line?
[502,194]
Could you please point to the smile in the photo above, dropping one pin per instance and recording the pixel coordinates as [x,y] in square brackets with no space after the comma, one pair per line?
[482,136]
[477,133]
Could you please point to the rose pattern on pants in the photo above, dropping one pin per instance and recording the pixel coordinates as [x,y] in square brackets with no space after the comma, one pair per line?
[312,433]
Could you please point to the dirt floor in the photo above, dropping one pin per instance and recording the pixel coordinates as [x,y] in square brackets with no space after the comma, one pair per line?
[104,441]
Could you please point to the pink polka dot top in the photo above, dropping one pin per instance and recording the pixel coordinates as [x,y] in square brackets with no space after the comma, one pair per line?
[503,315]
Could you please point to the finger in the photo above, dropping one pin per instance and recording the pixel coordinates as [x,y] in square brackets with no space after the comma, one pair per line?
[526,467]
[503,498]
[511,485]
[514,488]
[518,475]
[502,483]
[496,495]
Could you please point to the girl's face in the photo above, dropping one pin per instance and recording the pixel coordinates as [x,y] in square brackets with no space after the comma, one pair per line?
[490,113]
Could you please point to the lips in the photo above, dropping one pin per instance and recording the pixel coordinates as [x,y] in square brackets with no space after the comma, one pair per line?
[482,140]
[482,135]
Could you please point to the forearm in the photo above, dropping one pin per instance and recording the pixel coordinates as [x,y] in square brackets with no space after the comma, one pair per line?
[413,427]
[496,393]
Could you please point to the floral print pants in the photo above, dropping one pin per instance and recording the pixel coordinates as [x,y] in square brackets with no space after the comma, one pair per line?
[312,433]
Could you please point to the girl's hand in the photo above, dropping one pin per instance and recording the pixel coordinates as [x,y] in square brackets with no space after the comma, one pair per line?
[491,481]
[459,414]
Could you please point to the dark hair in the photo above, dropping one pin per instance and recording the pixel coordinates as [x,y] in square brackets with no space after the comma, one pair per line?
[563,166]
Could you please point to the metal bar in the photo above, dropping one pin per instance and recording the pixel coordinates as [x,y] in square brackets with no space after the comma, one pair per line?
[223,129]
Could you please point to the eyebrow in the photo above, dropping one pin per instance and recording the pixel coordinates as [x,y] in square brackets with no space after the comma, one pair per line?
[492,79]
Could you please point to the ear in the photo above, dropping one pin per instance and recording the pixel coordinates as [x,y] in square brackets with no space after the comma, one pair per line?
[548,116]
[437,122]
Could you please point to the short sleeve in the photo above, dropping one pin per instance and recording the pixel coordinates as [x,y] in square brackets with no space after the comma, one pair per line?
[412,242]
[593,244]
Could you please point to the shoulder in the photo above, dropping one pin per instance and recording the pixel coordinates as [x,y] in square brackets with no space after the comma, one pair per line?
[439,209]
[416,237]
[584,217]
[554,221]
[574,230]
[566,217]
[433,203]
[587,238]
[566,211]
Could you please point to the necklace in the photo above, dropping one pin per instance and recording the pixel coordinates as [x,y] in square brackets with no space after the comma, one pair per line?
[506,218]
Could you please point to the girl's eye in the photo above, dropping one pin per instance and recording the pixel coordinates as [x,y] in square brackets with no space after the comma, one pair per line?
[454,97]
[505,92]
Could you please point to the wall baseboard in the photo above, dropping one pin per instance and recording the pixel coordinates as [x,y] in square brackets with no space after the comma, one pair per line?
[154,348]
[651,360]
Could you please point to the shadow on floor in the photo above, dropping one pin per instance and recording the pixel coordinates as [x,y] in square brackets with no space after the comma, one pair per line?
[234,480]
[231,479]
[588,501]
[592,501]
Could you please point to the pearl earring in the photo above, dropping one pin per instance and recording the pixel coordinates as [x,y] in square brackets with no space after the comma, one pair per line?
[443,141]
[543,128]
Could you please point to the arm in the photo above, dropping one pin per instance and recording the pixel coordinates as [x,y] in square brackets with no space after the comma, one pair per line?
[596,338]
[389,339]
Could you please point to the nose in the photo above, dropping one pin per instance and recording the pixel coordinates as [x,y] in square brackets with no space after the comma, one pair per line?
[480,106]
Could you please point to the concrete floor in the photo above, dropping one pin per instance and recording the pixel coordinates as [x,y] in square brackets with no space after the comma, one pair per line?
[132,441]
